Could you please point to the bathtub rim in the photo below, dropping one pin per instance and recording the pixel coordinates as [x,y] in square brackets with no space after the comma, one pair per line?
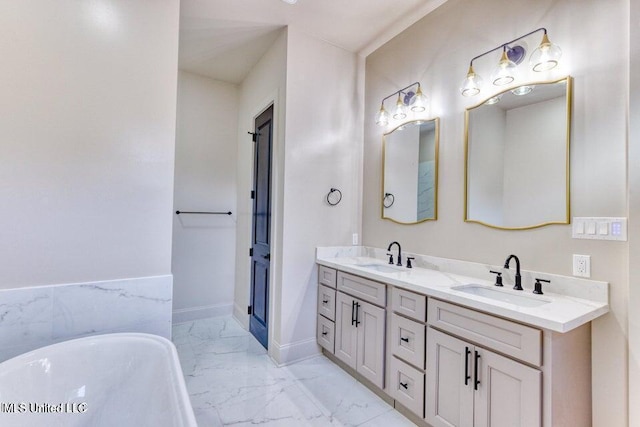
[186,409]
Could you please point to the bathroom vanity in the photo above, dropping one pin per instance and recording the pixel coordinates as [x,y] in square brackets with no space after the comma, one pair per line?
[447,348]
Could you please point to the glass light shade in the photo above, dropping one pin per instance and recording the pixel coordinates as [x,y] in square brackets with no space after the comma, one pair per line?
[420,102]
[494,100]
[471,84]
[505,72]
[522,90]
[400,112]
[546,56]
[382,118]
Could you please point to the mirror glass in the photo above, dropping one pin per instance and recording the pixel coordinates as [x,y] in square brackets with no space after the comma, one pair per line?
[410,172]
[517,157]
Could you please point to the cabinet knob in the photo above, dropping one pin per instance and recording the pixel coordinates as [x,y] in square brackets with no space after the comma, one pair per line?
[325,301]
[404,339]
[404,385]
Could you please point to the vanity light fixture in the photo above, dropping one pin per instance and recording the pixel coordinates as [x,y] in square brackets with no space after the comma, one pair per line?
[400,112]
[545,57]
[505,72]
[382,118]
[416,101]
[472,83]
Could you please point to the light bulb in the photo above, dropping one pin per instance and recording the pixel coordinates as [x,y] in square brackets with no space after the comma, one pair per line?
[420,103]
[493,100]
[382,118]
[546,56]
[522,90]
[505,72]
[400,112]
[471,84]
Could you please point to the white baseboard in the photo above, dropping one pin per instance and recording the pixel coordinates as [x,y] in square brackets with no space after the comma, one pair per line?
[241,316]
[293,352]
[195,313]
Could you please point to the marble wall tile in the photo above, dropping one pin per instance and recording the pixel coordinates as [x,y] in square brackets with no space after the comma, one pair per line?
[340,251]
[35,317]
[25,316]
[110,306]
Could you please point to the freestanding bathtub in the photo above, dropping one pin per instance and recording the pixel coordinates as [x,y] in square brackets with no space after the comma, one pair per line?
[114,380]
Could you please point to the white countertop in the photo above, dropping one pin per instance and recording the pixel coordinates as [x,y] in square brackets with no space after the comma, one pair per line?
[561,314]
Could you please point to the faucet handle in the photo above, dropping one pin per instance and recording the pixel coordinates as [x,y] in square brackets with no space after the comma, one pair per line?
[537,288]
[409,258]
[498,277]
[390,257]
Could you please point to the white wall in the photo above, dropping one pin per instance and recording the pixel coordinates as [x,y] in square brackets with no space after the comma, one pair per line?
[204,246]
[265,85]
[634,215]
[436,51]
[87,114]
[322,151]
[313,84]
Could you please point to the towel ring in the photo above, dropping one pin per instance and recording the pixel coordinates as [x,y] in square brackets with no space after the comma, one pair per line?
[334,197]
[388,200]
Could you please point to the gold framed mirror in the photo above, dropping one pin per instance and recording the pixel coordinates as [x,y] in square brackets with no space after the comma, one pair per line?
[410,172]
[517,157]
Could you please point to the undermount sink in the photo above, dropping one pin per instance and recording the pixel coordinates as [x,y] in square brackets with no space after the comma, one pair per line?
[501,295]
[380,268]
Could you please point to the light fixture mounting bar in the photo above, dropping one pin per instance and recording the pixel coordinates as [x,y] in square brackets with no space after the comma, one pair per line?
[505,45]
[401,91]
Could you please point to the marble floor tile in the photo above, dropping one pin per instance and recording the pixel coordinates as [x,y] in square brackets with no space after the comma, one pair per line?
[232,382]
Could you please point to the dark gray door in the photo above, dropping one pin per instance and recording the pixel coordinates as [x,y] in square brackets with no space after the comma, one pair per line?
[261,229]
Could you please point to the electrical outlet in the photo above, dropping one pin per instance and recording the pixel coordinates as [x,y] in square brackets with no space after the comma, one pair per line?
[582,265]
[354,239]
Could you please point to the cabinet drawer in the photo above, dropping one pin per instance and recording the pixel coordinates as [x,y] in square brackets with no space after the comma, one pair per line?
[327,302]
[409,304]
[510,338]
[326,333]
[407,386]
[364,289]
[327,276]
[408,340]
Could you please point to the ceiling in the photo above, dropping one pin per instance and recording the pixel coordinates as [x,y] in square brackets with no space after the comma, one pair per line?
[224,39]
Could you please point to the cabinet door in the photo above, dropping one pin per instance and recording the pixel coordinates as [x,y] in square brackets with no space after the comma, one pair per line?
[449,381]
[509,393]
[346,342]
[371,331]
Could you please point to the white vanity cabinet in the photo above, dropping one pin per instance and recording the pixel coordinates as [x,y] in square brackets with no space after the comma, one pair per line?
[443,364]
[471,386]
[325,326]
[407,349]
[360,326]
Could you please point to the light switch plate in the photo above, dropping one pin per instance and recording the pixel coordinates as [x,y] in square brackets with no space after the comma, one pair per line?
[600,228]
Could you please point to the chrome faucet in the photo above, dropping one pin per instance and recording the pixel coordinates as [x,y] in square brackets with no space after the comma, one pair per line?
[518,285]
[399,253]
